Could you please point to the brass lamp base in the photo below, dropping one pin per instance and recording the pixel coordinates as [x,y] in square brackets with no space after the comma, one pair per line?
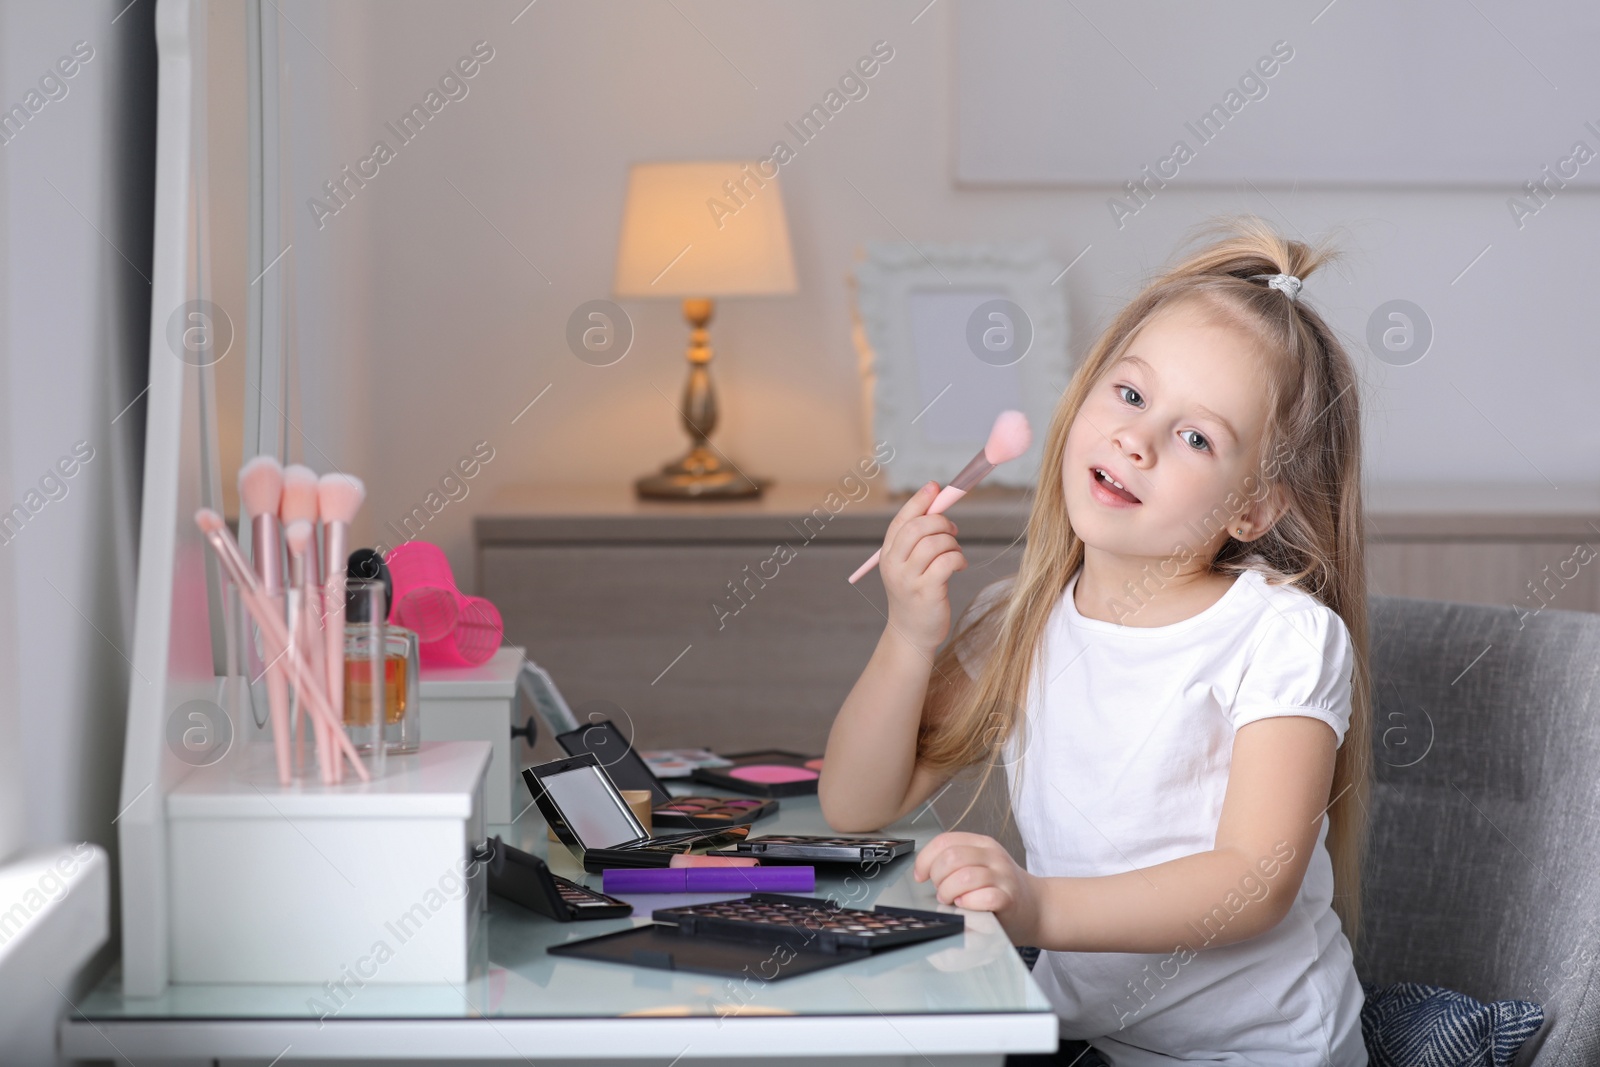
[700,474]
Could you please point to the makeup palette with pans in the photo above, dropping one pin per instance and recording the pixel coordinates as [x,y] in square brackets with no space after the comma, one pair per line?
[768,773]
[736,937]
[629,770]
[697,812]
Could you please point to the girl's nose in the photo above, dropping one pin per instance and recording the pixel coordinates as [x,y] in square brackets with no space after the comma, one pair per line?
[1133,444]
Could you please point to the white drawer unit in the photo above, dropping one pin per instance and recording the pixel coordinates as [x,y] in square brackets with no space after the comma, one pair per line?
[479,704]
[317,883]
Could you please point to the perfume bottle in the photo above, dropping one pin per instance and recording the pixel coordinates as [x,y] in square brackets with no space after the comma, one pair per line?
[400,658]
[398,652]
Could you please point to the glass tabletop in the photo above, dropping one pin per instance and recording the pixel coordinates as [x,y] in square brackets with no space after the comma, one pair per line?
[513,976]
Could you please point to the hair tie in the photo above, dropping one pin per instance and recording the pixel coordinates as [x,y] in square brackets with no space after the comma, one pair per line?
[1288,284]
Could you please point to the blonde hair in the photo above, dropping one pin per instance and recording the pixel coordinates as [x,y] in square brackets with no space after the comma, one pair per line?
[1313,438]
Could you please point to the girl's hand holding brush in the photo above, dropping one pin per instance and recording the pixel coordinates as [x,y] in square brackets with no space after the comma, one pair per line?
[919,554]
[1008,439]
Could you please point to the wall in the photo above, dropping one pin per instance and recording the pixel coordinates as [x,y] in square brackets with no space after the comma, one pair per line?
[77,180]
[502,216]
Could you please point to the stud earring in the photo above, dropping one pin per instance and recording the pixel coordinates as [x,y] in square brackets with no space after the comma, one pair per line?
[1241,531]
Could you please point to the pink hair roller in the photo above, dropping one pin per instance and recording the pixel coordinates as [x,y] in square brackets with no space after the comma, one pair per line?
[425,595]
[453,629]
[474,640]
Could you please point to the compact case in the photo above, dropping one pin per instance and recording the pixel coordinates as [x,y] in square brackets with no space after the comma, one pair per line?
[769,773]
[629,771]
[525,879]
[582,805]
[772,935]
[810,848]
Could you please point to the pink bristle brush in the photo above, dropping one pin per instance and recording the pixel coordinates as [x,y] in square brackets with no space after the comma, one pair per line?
[339,497]
[1009,439]
[299,504]
[304,679]
[301,639]
[260,490]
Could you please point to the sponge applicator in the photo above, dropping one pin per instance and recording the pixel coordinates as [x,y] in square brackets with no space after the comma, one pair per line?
[1008,439]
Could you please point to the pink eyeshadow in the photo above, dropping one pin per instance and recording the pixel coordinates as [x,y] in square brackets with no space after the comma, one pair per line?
[772,773]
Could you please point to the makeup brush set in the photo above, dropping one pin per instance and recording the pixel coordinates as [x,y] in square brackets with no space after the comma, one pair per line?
[294,591]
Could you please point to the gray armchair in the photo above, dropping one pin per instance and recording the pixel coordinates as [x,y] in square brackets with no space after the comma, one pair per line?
[1483,869]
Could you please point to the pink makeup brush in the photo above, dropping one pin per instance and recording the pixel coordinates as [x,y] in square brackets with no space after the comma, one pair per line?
[265,614]
[300,501]
[1009,439]
[301,638]
[299,504]
[260,489]
[339,497]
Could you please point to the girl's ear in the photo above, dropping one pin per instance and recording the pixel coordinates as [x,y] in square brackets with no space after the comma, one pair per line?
[1260,514]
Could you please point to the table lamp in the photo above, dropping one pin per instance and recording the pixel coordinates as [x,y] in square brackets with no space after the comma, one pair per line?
[698,231]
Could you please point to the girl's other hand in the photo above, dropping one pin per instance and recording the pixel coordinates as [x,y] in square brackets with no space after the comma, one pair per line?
[919,555]
[976,872]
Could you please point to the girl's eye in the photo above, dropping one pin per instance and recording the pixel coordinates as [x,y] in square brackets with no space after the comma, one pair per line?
[1202,446]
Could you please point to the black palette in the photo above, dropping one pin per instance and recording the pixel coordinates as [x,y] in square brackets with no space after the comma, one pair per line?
[629,771]
[812,848]
[525,879]
[660,947]
[615,838]
[771,934]
[824,925]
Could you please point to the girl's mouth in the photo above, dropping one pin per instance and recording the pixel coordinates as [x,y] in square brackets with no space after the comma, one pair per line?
[1102,489]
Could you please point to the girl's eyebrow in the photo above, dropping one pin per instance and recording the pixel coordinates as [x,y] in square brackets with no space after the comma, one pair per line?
[1148,369]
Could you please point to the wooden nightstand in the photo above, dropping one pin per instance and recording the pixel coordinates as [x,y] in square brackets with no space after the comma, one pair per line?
[731,624]
[1523,546]
[727,624]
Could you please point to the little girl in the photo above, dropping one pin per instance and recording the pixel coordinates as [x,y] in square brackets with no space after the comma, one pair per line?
[1175,681]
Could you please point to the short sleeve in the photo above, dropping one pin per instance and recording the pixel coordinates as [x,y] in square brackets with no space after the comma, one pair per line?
[1302,665]
[972,649]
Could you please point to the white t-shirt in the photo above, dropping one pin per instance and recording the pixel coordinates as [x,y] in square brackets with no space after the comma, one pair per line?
[1125,764]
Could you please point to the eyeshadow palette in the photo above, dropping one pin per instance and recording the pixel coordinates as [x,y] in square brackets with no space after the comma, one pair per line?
[628,770]
[773,934]
[829,925]
[585,810]
[525,879]
[769,773]
[811,848]
[700,813]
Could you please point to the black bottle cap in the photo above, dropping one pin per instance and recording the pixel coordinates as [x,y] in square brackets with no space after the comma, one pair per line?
[366,563]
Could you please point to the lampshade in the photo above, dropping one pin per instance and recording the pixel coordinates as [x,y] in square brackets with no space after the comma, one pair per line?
[703,230]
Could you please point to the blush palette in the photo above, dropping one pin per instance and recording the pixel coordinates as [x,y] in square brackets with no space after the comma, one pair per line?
[769,773]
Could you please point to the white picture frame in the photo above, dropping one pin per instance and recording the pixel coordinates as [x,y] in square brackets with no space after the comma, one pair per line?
[920,326]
